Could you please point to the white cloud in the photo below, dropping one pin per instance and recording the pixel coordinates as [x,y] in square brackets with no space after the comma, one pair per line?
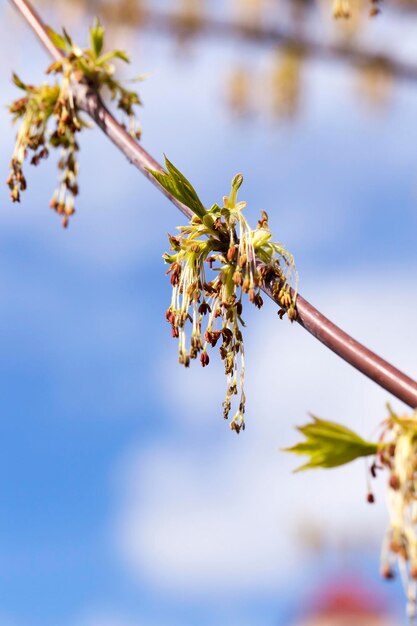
[106,617]
[103,618]
[210,510]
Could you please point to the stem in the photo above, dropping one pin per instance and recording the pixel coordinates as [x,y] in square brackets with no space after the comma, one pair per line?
[357,355]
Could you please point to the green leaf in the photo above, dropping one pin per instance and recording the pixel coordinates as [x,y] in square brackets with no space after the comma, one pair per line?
[115,54]
[96,37]
[329,445]
[177,185]
[55,67]
[57,39]
[67,38]
[119,54]
[18,82]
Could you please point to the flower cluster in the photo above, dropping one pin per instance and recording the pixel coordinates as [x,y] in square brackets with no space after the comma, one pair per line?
[215,261]
[35,110]
[330,445]
[398,454]
[49,116]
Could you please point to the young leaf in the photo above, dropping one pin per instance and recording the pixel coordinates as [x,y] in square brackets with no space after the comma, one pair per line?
[119,54]
[176,184]
[18,82]
[55,67]
[57,39]
[96,37]
[329,445]
[115,54]
[67,38]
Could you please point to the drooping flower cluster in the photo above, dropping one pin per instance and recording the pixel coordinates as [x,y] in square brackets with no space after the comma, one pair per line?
[215,261]
[398,455]
[49,116]
[330,445]
[35,110]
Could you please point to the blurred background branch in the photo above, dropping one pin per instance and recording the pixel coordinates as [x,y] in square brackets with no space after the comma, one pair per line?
[194,24]
[287,31]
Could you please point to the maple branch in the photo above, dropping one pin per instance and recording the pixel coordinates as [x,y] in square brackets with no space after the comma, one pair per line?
[334,338]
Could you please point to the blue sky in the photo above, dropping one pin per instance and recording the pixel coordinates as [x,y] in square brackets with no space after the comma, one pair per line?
[125,500]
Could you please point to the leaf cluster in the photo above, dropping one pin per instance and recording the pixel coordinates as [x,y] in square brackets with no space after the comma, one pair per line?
[329,445]
[175,183]
[95,68]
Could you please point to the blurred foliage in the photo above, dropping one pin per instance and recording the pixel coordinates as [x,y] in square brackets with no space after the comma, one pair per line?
[280,32]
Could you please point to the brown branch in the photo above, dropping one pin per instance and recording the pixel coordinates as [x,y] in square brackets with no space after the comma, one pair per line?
[367,362]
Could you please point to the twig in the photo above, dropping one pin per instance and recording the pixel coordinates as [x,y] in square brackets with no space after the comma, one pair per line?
[357,355]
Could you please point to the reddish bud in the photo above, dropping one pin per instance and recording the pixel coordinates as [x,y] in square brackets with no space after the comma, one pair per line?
[231,253]
[204,358]
[394,482]
[204,308]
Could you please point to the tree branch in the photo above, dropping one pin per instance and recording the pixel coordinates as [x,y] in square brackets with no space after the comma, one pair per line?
[357,355]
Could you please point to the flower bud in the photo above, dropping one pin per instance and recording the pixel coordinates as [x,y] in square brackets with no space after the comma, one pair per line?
[243,260]
[204,358]
[14,194]
[231,253]
[394,482]
[237,278]
[246,285]
[204,308]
